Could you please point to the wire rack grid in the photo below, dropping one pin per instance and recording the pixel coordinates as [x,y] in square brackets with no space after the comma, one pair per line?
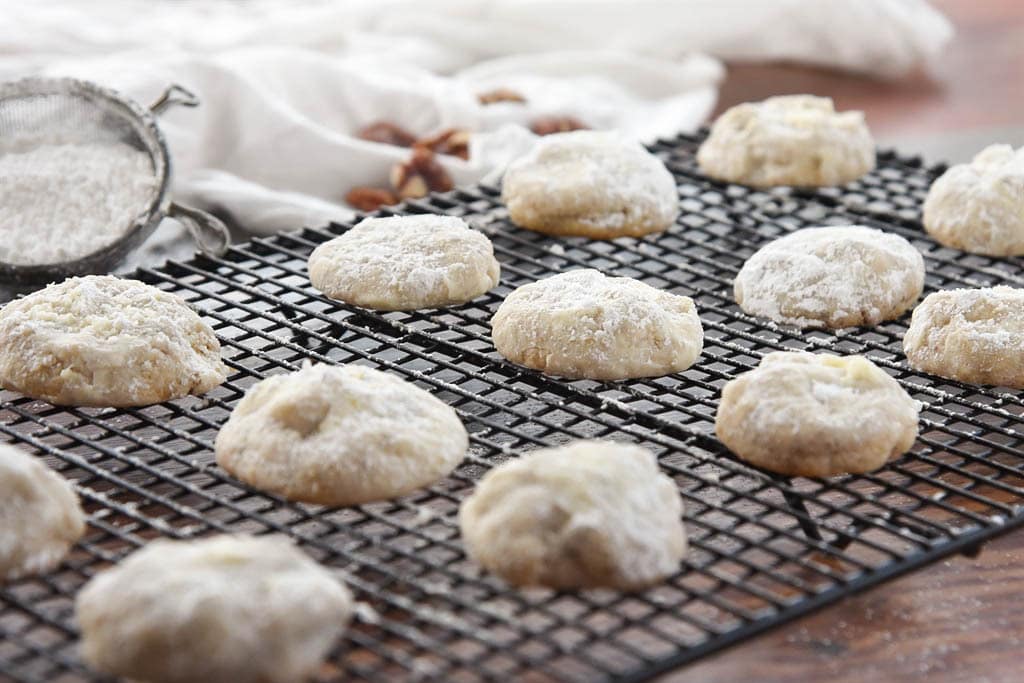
[764,549]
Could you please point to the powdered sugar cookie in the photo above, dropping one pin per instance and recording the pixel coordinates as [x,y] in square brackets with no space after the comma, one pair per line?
[340,436]
[816,415]
[589,514]
[831,277]
[100,340]
[971,335]
[224,609]
[402,263]
[583,324]
[979,207]
[789,140]
[591,184]
[40,517]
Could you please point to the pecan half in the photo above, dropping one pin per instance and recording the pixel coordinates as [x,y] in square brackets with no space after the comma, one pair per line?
[499,95]
[371,198]
[419,175]
[387,133]
[453,141]
[547,125]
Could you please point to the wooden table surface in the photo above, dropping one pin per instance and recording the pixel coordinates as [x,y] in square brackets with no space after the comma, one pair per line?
[977,84]
[961,619]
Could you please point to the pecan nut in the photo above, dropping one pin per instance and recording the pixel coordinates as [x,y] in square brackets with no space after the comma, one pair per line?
[499,95]
[370,198]
[419,175]
[547,125]
[453,141]
[387,133]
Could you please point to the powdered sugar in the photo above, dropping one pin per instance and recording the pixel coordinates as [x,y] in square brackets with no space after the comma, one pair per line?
[585,324]
[818,415]
[832,277]
[340,436]
[979,207]
[39,514]
[788,140]
[60,202]
[596,184]
[993,316]
[104,341]
[974,335]
[405,263]
[588,514]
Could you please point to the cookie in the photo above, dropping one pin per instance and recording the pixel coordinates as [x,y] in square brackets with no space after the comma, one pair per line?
[224,609]
[340,436]
[979,207]
[586,515]
[797,140]
[816,415]
[40,516]
[970,335]
[403,263]
[583,324]
[590,184]
[100,340]
[831,277]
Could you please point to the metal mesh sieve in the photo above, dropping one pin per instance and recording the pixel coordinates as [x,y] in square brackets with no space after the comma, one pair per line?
[37,111]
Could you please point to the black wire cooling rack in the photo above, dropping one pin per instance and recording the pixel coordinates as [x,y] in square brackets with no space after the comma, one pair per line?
[764,549]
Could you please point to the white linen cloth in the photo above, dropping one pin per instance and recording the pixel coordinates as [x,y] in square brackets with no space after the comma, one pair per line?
[285,85]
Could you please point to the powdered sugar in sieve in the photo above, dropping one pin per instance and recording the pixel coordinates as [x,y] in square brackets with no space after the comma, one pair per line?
[84,174]
[60,202]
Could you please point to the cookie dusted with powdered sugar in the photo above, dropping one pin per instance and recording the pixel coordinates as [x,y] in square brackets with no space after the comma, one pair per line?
[100,340]
[403,263]
[40,516]
[585,515]
[979,207]
[831,277]
[816,415]
[970,335]
[584,324]
[223,609]
[590,184]
[797,140]
[340,436]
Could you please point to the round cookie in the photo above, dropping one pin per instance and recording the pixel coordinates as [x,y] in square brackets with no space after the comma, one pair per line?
[816,415]
[979,207]
[586,515]
[831,277]
[224,609]
[403,263]
[100,340]
[583,324]
[40,517]
[797,140]
[340,436]
[970,335]
[590,184]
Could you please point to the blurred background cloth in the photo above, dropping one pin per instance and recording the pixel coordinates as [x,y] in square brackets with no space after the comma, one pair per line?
[285,85]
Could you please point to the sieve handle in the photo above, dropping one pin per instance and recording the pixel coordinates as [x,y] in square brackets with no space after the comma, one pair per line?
[210,234]
[174,94]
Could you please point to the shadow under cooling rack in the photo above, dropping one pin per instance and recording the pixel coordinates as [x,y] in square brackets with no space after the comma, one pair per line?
[764,549]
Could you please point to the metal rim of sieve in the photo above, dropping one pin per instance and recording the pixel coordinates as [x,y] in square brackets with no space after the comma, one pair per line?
[210,234]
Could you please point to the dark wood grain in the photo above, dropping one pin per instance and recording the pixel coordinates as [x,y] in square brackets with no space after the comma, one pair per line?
[958,620]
